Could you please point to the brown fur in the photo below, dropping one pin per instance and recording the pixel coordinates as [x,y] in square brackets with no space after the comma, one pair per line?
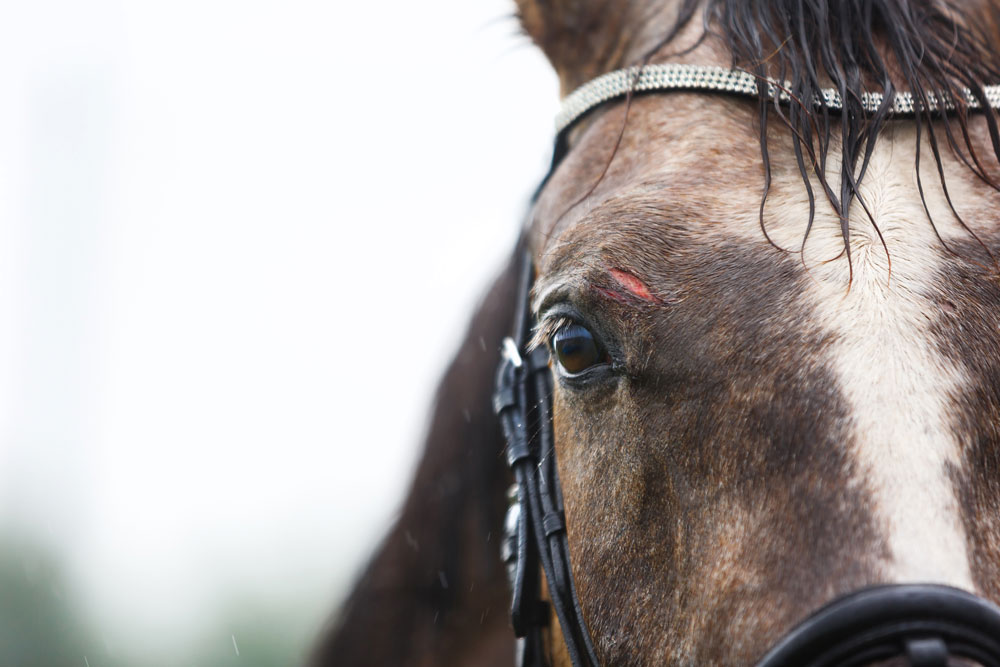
[586,38]
[966,330]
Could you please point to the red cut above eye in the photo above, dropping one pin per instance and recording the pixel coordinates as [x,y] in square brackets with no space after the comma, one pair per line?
[632,284]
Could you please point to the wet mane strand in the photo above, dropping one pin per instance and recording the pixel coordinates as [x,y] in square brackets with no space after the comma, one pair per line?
[934,49]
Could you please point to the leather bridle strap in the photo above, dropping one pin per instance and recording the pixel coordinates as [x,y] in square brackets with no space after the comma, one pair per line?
[930,624]
[536,529]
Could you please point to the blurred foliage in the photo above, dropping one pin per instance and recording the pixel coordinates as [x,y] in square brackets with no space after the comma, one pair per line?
[37,625]
[262,636]
[42,626]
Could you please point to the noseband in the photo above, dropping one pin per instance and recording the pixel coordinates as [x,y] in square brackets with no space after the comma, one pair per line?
[927,624]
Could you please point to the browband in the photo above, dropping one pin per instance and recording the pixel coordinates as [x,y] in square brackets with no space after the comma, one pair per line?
[647,78]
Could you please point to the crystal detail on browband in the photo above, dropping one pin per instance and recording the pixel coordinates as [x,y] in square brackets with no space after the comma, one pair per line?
[641,79]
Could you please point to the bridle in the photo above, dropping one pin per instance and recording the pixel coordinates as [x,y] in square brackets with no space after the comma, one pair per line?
[535,527]
[926,623]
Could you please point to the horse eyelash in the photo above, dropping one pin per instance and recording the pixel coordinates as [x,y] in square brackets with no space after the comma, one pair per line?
[545,329]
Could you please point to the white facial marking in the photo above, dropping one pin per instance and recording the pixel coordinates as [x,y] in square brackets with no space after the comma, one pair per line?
[895,381]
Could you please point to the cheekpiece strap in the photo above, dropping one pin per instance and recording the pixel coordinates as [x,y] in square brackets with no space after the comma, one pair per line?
[535,527]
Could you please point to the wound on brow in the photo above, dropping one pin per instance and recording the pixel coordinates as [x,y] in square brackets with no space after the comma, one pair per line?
[632,285]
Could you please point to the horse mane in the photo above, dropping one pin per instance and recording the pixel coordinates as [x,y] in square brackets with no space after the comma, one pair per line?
[933,48]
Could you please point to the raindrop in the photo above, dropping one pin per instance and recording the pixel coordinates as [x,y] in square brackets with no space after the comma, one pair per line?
[411,540]
[444,582]
[235,647]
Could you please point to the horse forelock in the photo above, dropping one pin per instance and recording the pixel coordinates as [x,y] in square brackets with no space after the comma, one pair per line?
[842,418]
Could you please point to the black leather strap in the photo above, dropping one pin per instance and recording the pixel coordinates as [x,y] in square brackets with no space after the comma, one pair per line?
[929,624]
[523,402]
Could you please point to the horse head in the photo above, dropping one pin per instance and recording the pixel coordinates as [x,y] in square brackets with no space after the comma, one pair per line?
[774,331]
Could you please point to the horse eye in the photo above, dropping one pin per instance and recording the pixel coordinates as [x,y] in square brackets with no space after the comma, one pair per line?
[576,349]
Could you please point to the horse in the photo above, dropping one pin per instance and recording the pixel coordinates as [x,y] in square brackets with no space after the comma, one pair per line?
[770,311]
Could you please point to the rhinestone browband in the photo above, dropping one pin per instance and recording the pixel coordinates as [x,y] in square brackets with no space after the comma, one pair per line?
[641,79]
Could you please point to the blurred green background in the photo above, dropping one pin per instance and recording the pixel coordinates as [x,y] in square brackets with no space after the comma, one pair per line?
[43,623]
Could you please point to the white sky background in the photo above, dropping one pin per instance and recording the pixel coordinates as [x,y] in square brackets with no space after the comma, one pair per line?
[238,241]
